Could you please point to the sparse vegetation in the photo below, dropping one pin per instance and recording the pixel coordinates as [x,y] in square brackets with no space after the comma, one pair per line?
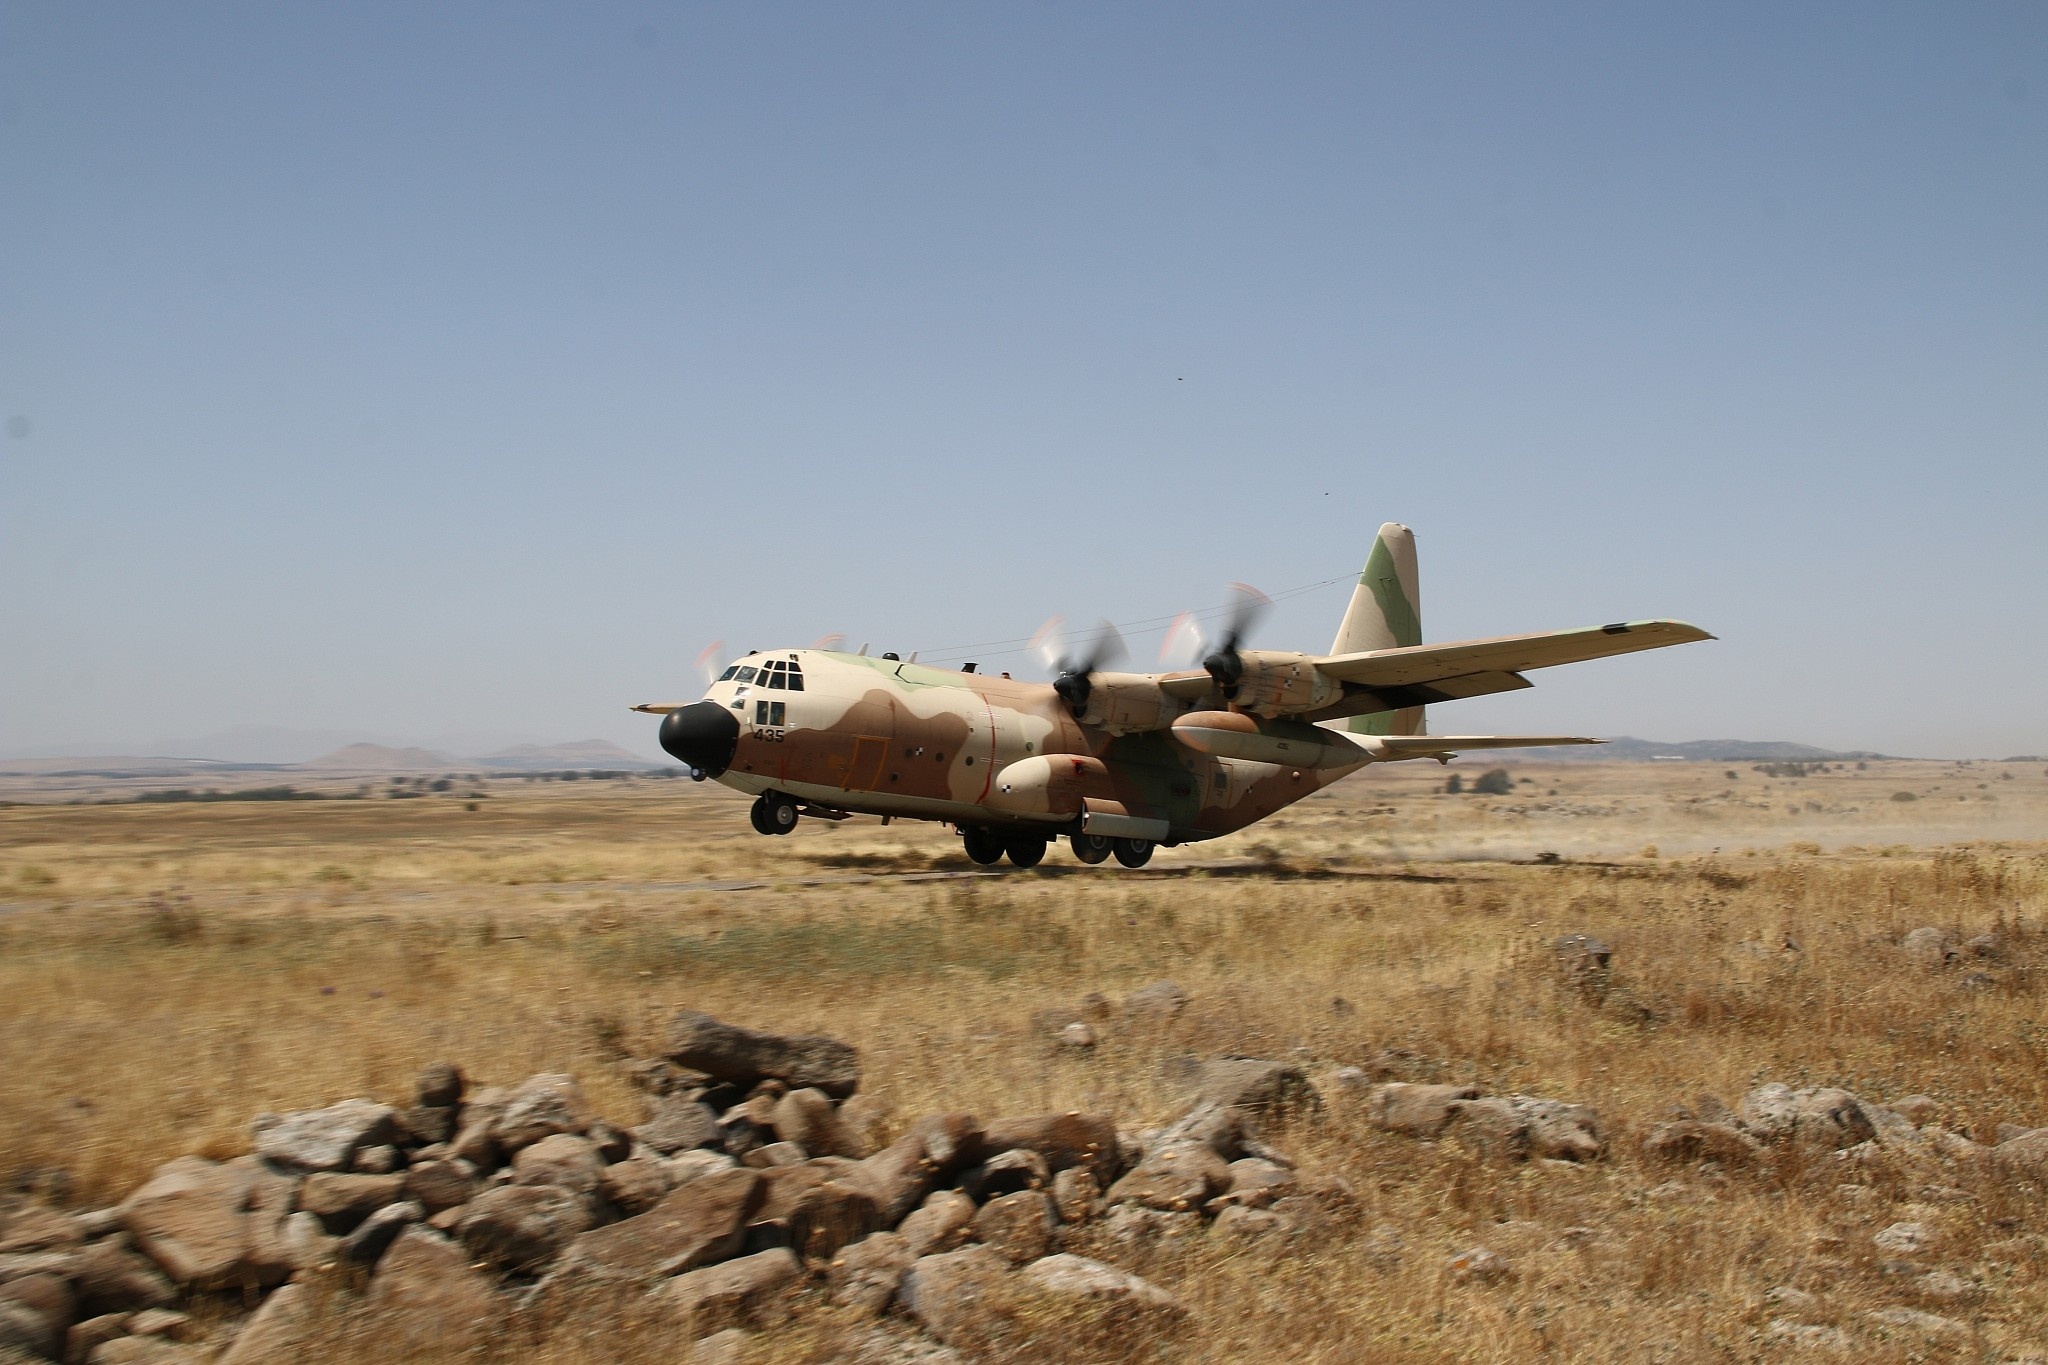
[305,953]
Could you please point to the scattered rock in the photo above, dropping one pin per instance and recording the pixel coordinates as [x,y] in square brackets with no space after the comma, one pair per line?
[776,1154]
[957,1296]
[1824,1117]
[940,1224]
[1928,1326]
[1584,964]
[426,1291]
[702,1222]
[1904,1239]
[446,1183]
[165,1323]
[807,1118]
[563,1160]
[752,1291]
[541,1107]
[1417,1111]
[272,1332]
[1097,1303]
[1806,1336]
[677,1125]
[378,1231]
[865,1275]
[523,1228]
[816,1208]
[1175,1177]
[1075,1195]
[36,1227]
[1064,1140]
[1689,1140]
[112,1279]
[1156,1003]
[1479,1265]
[1255,1184]
[903,1173]
[36,1313]
[745,1057]
[636,1184]
[1136,1225]
[1247,1224]
[1259,1087]
[88,1336]
[440,1086]
[340,1201]
[1918,1110]
[1928,947]
[324,1139]
[193,1218]
[1018,1226]
[721,1348]
[1079,1035]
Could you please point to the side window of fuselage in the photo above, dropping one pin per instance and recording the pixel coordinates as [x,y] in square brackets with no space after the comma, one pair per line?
[760,713]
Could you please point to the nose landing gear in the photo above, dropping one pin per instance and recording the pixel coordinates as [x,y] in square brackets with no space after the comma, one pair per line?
[773,813]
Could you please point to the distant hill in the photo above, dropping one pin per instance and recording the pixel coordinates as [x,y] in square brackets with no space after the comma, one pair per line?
[580,754]
[1627,748]
[377,758]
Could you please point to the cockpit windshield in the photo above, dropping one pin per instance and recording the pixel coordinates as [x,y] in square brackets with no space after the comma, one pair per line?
[730,671]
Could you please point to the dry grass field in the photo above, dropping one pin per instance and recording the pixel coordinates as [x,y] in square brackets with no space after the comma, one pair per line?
[168,970]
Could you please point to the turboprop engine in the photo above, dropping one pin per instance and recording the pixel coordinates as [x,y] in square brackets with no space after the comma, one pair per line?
[1232,734]
[1275,682]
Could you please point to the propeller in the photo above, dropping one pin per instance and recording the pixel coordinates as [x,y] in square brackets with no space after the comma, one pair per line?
[711,662]
[1073,674]
[829,642]
[1224,663]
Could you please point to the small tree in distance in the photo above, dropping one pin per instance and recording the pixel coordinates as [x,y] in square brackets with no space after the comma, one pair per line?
[1494,782]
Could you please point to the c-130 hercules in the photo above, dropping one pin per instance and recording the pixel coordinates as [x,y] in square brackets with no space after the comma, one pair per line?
[1117,762]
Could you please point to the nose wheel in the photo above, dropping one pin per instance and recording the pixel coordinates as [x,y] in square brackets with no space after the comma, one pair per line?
[773,813]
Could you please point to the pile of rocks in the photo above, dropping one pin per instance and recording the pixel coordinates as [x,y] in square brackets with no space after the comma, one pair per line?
[758,1173]
[1516,1127]
[1824,1118]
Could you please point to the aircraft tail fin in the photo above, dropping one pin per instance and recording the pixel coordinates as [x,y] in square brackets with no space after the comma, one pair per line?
[1385,613]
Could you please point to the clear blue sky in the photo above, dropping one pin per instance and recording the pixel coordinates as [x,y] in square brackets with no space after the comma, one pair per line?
[461,367]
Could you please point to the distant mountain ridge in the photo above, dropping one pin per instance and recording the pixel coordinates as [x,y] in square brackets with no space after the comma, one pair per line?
[1629,749]
[580,755]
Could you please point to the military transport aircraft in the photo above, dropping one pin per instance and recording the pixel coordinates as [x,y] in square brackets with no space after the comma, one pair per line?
[1117,762]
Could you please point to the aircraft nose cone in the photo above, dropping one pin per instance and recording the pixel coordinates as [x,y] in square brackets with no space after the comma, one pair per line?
[703,735]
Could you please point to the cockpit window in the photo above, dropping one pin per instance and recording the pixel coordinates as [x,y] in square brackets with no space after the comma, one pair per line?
[796,679]
[772,676]
[731,669]
[746,675]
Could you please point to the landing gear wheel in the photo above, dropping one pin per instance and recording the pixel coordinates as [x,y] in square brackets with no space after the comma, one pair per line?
[757,816]
[778,813]
[1090,848]
[1025,850]
[1132,852]
[982,846]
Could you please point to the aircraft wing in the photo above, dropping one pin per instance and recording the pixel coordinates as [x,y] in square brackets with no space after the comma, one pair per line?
[1484,662]
[1425,746]
[660,708]
[1187,686]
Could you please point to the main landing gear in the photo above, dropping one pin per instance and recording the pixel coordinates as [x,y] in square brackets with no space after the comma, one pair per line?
[773,813]
[988,847]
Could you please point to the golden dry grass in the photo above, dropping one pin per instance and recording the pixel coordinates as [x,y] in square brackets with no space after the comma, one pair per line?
[167,971]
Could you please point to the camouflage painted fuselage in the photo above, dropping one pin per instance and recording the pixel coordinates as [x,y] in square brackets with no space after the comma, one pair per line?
[880,737]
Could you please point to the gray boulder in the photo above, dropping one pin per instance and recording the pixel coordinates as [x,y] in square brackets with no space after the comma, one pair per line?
[1823,1117]
[324,1139]
[746,1057]
[522,1228]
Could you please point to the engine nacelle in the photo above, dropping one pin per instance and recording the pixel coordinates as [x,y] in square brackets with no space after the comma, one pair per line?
[1128,703]
[1048,784]
[1282,683]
